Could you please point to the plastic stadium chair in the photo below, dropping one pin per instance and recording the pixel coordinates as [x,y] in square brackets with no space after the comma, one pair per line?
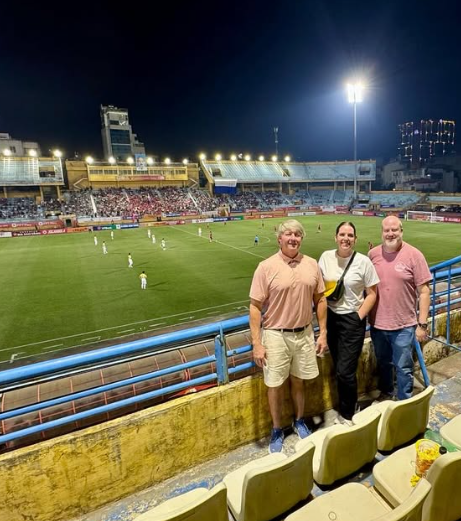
[199,504]
[451,431]
[356,502]
[268,487]
[392,480]
[400,421]
[341,450]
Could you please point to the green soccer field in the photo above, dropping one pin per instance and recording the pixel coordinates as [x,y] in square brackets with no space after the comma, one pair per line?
[61,292]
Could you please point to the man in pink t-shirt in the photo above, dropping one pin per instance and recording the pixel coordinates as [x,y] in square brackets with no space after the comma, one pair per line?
[404,276]
[285,286]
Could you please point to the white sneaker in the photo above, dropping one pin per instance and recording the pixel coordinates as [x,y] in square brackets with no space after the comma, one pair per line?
[342,421]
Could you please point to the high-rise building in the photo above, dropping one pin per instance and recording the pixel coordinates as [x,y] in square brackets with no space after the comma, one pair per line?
[425,139]
[118,139]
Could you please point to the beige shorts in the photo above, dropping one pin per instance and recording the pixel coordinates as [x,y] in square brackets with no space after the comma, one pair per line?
[289,353]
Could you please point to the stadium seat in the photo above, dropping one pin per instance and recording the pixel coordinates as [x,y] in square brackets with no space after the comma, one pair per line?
[400,421]
[341,450]
[392,480]
[356,502]
[199,504]
[451,431]
[266,488]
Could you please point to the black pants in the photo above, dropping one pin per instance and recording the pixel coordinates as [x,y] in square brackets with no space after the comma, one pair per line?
[345,336]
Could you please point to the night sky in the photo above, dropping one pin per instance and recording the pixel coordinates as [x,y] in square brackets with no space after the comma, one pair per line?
[218,77]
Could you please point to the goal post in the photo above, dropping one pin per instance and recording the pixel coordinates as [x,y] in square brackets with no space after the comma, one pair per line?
[415,215]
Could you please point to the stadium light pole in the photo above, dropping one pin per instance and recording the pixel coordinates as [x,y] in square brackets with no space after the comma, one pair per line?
[355,95]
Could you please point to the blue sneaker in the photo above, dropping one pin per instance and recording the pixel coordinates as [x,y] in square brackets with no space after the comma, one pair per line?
[276,443]
[301,429]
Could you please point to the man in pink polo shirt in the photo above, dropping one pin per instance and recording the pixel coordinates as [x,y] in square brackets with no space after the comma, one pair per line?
[284,288]
[404,276]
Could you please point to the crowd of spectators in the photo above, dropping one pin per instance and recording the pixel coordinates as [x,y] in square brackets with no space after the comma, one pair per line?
[18,208]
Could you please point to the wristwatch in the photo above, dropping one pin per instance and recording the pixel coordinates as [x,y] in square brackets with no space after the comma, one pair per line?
[422,326]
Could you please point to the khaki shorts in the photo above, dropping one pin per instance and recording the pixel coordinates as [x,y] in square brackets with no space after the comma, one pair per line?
[289,353]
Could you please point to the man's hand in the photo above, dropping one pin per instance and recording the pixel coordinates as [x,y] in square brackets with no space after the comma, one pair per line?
[259,354]
[321,344]
[421,334]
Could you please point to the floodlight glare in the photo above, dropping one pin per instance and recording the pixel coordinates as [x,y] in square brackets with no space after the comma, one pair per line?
[130,160]
[150,161]
[89,160]
[185,161]
[274,158]
[32,152]
[202,156]
[247,157]
[355,92]
[167,161]
[233,157]
[111,160]
[287,158]
[7,152]
[261,158]
[57,153]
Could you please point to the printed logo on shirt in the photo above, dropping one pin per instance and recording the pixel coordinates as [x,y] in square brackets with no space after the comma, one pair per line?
[401,267]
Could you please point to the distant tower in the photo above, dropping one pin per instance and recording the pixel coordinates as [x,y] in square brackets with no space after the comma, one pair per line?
[276,138]
[118,139]
[428,138]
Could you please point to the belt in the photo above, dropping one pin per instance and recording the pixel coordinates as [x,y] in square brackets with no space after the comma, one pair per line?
[292,330]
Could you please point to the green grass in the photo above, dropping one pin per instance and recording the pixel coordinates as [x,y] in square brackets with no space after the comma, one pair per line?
[61,291]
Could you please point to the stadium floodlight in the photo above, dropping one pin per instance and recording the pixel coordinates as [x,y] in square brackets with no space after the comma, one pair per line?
[89,160]
[274,158]
[32,152]
[57,153]
[130,160]
[167,161]
[202,156]
[150,161]
[287,159]
[185,161]
[261,158]
[233,157]
[247,157]
[6,152]
[354,96]
[112,160]
[218,157]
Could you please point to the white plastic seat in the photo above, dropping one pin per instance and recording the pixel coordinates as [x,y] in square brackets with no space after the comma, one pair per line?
[199,504]
[266,488]
[356,502]
[400,421]
[341,450]
[451,431]
[392,480]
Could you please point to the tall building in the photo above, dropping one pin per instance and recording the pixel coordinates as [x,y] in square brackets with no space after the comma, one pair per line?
[425,139]
[118,139]
[16,147]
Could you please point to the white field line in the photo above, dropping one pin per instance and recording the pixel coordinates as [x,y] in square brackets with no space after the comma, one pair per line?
[126,330]
[119,326]
[220,242]
[51,347]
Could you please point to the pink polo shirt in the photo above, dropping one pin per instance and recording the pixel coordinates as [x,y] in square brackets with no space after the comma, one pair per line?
[400,273]
[286,288]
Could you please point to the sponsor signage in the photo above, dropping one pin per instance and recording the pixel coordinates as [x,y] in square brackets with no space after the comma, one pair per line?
[6,234]
[53,232]
[77,230]
[23,233]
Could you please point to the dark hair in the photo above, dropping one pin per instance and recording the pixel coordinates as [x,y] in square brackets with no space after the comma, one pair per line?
[346,223]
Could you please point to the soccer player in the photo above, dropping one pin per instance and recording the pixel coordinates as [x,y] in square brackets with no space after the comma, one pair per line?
[256,240]
[200,232]
[112,234]
[319,228]
[148,233]
[210,236]
[154,240]
[163,243]
[104,248]
[130,261]
[143,278]
[95,239]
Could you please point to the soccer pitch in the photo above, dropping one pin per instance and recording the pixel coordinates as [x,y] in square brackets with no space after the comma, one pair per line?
[61,292]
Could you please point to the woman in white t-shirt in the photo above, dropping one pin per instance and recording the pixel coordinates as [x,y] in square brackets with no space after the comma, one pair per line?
[347,316]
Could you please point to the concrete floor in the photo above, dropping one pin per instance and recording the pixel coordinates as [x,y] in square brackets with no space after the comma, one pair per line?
[445,403]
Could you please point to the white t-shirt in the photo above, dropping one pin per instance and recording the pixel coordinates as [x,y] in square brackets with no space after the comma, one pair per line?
[360,275]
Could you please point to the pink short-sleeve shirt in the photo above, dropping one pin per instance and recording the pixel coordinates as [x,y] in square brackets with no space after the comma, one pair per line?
[286,288]
[400,273]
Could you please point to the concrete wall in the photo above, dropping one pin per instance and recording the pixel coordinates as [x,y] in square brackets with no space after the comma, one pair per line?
[74,474]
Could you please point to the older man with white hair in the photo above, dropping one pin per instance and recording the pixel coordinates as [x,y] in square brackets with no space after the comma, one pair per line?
[404,278]
[285,286]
